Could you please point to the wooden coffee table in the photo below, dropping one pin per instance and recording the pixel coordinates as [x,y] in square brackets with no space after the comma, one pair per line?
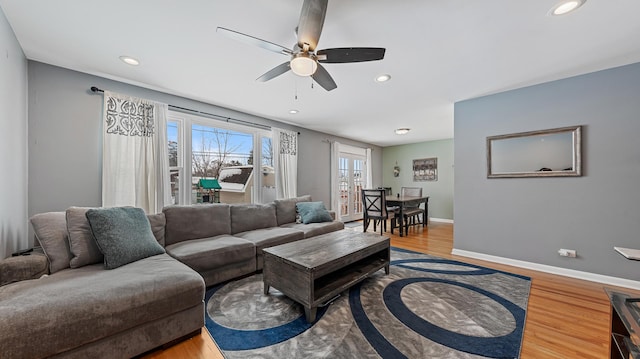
[313,271]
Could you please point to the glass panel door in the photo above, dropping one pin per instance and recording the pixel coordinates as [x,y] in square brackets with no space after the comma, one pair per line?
[351,179]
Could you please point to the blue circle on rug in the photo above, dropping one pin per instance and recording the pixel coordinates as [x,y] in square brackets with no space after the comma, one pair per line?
[497,347]
[477,269]
[493,347]
[235,339]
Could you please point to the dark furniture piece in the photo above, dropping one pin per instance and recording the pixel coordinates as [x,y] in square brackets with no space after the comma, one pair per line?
[625,325]
[313,271]
[388,192]
[376,210]
[402,202]
[411,211]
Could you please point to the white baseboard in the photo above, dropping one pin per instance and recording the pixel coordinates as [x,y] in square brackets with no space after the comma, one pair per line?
[443,220]
[620,282]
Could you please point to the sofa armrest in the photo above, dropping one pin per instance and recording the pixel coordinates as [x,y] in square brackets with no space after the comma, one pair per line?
[15,269]
[332,214]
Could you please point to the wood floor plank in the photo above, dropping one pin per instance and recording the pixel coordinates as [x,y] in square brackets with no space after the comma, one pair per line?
[566,317]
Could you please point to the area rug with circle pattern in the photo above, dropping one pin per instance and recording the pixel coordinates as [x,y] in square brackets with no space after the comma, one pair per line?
[426,307]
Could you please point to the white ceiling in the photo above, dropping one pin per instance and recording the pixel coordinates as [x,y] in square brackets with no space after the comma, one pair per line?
[438,52]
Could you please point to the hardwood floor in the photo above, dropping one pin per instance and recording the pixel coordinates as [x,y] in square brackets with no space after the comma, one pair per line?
[566,317]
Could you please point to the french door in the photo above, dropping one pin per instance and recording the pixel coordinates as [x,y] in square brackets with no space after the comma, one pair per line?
[351,180]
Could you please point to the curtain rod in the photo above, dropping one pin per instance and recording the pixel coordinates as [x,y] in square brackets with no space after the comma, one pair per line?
[210,115]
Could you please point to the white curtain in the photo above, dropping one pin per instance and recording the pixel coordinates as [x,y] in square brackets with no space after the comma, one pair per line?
[135,163]
[335,163]
[369,170]
[285,151]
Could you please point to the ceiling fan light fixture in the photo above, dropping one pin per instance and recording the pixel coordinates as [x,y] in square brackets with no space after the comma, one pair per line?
[303,64]
[565,7]
[402,131]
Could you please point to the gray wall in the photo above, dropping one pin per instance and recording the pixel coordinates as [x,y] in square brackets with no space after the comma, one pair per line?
[440,192]
[13,142]
[529,219]
[65,148]
[314,163]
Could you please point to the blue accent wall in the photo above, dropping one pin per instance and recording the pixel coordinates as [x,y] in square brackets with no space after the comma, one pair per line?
[529,219]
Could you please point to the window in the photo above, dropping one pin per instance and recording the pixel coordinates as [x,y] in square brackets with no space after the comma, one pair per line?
[226,152]
[268,171]
[174,141]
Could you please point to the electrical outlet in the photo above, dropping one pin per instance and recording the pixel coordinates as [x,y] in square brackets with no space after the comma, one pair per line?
[571,253]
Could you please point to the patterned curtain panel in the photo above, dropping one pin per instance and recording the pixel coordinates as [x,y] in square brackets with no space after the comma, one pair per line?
[285,149]
[135,164]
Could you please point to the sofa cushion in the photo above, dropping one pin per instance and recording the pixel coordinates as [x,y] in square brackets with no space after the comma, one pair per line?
[123,235]
[246,217]
[19,268]
[313,212]
[286,208]
[208,253]
[315,229]
[269,237]
[71,308]
[81,243]
[157,222]
[196,221]
[51,232]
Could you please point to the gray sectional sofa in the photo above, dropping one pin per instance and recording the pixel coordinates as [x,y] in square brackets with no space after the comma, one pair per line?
[80,309]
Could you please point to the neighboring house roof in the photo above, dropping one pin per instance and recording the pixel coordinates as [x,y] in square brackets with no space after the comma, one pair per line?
[235,178]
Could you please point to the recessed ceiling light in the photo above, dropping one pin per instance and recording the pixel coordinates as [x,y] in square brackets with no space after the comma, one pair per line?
[129,60]
[383,78]
[293,112]
[566,6]
[402,131]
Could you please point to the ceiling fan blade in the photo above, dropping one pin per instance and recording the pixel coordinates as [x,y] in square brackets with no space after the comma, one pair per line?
[311,22]
[350,54]
[247,39]
[322,77]
[274,72]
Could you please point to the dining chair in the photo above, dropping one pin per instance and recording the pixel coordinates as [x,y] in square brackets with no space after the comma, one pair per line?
[375,209]
[391,209]
[412,212]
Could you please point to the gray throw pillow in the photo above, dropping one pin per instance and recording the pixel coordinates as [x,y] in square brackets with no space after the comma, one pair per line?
[123,235]
[51,232]
[83,247]
[313,212]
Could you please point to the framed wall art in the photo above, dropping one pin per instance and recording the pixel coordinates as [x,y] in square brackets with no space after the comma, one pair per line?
[425,169]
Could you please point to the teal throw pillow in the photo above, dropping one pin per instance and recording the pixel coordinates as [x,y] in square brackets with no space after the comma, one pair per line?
[313,212]
[123,235]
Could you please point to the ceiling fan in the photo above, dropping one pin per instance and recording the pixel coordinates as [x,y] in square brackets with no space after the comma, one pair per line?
[304,59]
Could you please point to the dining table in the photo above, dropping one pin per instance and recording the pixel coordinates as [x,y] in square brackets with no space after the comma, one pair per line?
[402,202]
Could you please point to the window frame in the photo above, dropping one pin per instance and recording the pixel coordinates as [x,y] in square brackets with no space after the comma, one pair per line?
[185,147]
